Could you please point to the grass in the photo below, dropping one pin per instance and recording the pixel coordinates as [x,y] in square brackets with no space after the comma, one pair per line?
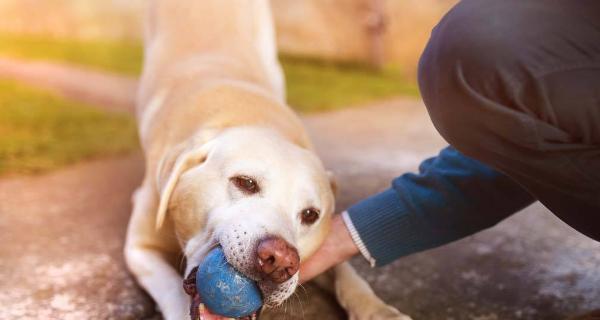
[312,85]
[40,131]
[123,57]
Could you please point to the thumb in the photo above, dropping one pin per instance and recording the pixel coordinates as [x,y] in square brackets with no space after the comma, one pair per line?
[337,247]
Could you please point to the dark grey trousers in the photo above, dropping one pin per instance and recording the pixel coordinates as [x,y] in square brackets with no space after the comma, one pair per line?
[515,84]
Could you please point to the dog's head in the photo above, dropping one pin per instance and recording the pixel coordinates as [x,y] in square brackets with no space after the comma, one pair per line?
[265,200]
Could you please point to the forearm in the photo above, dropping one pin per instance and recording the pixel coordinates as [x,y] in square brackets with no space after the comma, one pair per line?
[452,197]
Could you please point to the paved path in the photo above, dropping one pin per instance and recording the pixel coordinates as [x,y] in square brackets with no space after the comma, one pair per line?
[61,236]
[97,88]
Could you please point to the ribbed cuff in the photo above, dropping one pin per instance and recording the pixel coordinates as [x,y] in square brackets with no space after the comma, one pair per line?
[385,227]
[357,240]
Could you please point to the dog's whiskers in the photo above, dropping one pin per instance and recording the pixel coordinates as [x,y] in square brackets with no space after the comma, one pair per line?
[303,289]
[305,292]
[299,303]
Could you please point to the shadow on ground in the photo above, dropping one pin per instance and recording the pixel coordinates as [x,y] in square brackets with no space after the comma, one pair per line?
[62,236]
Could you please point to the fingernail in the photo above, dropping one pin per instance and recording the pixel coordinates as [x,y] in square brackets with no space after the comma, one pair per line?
[201,310]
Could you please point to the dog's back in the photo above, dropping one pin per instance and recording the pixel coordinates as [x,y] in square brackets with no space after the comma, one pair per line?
[212,39]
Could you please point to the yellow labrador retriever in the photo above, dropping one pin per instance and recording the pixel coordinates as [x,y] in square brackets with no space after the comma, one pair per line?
[227,162]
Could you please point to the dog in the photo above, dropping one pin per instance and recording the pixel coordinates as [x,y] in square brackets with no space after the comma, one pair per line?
[227,161]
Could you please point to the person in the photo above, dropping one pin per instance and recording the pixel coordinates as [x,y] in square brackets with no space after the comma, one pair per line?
[514,88]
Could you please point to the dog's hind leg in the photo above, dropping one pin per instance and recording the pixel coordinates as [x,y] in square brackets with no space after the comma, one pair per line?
[266,47]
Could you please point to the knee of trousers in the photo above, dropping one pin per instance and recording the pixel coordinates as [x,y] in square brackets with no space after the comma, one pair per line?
[474,57]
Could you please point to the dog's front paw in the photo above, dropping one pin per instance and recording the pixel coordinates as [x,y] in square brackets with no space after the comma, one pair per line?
[378,312]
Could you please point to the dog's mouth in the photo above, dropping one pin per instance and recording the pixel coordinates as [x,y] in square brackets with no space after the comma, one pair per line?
[239,247]
[198,310]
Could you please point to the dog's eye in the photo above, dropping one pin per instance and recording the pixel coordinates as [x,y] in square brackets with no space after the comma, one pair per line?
[246,184]
[309,216]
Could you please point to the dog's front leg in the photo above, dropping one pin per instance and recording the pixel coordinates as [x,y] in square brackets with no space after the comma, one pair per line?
[147,256]
[358,299]
[160,280]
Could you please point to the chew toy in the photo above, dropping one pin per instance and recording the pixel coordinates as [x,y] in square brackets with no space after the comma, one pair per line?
[224,290]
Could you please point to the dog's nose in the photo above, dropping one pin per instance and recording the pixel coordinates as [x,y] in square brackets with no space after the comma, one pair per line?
[276,259]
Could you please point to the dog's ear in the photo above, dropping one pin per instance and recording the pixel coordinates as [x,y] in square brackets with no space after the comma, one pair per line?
[171,167]
[332,182]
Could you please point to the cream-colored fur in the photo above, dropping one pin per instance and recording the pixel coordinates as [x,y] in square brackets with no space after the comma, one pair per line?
[211,107]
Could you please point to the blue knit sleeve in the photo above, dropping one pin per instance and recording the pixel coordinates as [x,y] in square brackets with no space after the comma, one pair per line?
[451,197]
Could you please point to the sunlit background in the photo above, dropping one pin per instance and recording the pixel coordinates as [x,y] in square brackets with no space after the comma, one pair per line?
[336,54]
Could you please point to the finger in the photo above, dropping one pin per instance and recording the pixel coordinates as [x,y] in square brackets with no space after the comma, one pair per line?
[337,247]
[205,314]
[317,264]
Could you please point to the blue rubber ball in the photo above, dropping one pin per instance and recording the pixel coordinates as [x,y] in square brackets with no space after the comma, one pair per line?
[224,290]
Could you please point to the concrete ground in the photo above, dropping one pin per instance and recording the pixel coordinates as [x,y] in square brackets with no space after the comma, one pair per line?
[61,236]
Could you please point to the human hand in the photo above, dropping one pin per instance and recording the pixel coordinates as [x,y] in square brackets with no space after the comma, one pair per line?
[337,248]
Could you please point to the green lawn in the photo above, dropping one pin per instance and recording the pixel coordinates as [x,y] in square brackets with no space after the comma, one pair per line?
[312,85]
[41,131]
[122,57]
